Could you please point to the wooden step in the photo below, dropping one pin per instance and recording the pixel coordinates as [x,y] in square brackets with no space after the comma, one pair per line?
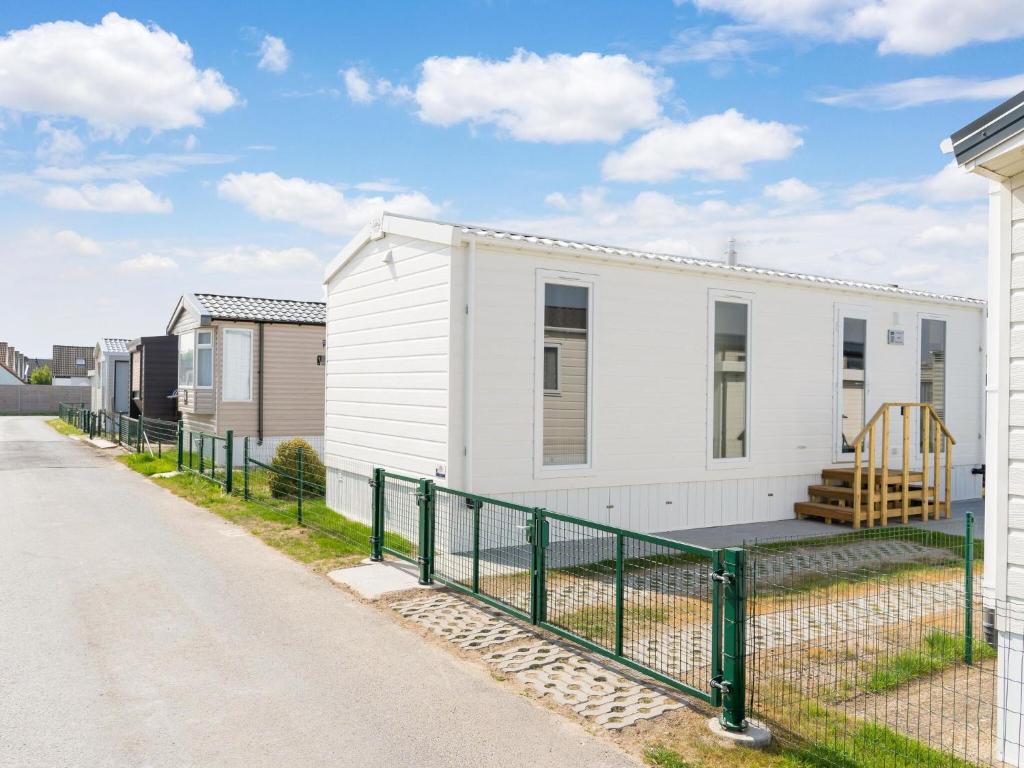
[846,475]
[827,512]
[844,495]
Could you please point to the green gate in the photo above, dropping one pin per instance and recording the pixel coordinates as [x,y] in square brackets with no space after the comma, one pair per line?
[670,610]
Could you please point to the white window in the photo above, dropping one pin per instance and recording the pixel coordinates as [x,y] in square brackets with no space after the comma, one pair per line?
[186,360]
[932,370]
[79,361]
[204,358]
[729,379]
[564,371]
[237,372]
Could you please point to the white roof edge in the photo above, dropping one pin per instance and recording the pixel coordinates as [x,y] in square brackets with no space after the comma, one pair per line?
[392,223]
[389,223]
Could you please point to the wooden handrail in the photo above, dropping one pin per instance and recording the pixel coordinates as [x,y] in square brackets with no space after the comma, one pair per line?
[936,445]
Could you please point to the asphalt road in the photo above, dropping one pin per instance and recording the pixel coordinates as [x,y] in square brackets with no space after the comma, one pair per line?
[139,630]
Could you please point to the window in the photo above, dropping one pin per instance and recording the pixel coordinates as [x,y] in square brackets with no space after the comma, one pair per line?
[204,358]
[79,361]
[237,353]
[933,367]
[551,353]
[186,360]
[565,375]
[855,332]
[730,402]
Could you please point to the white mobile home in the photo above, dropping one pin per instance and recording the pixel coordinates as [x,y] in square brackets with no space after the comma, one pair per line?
[649,391]
[110,377]
[993,146]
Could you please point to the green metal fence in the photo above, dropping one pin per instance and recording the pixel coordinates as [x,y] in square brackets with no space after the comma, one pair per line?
[206,455]
[669,610]
[862,648]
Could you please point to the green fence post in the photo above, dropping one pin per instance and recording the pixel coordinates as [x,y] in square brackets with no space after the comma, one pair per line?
[181,443]
[476,545]
[298,507]
[191,448]
[229,461]
[537,536]
[619,596]
[202,453]
[423,545]
[245,468]
[377,516]
[734,641]
[969,588]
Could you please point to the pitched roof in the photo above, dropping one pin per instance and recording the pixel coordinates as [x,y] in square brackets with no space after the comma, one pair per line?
[115,346]
[995,126]
[220,307]
[64,358]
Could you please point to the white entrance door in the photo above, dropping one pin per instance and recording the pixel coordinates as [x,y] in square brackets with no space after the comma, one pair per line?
[121,386]
[851,378]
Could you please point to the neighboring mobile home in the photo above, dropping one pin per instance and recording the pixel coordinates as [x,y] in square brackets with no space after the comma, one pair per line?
[648,391]
[993,146]
[71,365]
[153,362]
[109,377]
[253,366]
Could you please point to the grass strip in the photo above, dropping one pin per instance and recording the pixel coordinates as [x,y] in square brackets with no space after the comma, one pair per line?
[63,427]
[938,650]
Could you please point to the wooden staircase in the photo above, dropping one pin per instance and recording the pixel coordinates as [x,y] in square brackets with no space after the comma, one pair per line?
[879,493]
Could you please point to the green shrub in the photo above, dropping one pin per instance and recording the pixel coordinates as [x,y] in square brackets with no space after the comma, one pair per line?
[284,480]
[41,375]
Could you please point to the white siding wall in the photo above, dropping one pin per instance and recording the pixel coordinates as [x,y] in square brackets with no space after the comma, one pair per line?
[388,339]
[1014,292]
[650,335]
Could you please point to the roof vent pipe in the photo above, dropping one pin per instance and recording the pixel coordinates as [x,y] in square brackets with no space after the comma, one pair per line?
[731,256]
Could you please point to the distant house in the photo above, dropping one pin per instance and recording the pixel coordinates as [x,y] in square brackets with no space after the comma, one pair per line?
[7,376]
[71,365]
[153,361]
[110,377]
[34,363]
[254,366]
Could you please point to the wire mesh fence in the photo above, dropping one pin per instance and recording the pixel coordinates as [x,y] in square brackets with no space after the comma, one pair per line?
[287,477]
[206,455]
[870,648]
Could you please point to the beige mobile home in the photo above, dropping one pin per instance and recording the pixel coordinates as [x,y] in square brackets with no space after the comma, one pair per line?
[644,390]
[253,366]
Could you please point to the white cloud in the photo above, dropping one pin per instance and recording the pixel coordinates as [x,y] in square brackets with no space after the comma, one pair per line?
[724,43]
[923,27]
[60,146]
[72,241]
[117,75]
[357,86]
[315,204]
[925,90]
[120,197]
[555,98]
[901,243]
[190,143]
[128,167]
[712,147]
[950,184]
[274,54]
[148,262]
[247,258]
[791,191]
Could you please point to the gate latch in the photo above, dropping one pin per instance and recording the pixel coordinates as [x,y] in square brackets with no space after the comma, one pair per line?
[722,577]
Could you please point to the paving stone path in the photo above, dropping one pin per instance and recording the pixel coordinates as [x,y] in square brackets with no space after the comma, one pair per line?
[592,690]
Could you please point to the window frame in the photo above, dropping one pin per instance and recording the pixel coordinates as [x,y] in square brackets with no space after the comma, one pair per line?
[557,391]
[224,363]
[921,317]
[580,280]
[856,312]
[195,359]
[716,295]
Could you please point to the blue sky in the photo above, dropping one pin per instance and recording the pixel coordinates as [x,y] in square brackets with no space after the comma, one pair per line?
[151,148]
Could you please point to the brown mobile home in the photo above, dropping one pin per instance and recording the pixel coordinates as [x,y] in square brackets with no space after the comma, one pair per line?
[153,363]
[254,366]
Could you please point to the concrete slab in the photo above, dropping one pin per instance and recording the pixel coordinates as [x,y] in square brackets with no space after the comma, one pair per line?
[99,442]
[166,474]
[756,736]
[374,580]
